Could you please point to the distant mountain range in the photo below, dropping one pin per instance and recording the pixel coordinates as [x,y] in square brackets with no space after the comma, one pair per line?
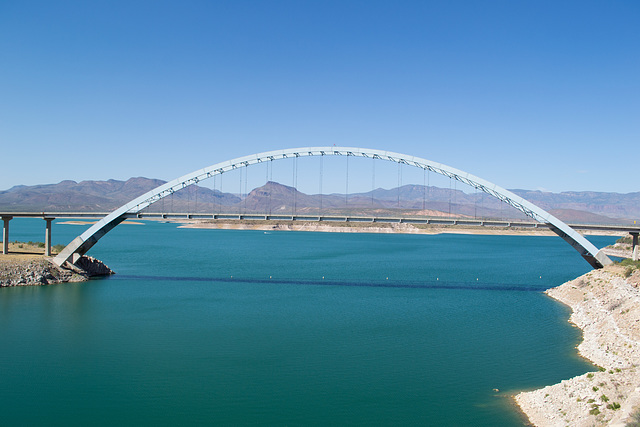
[69,196]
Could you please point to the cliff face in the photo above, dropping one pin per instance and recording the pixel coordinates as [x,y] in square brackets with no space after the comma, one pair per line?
[606,306]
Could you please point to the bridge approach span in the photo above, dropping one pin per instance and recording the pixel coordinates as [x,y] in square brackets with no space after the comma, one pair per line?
[81,244]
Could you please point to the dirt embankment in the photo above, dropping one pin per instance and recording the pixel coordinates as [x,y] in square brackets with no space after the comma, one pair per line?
[606,306]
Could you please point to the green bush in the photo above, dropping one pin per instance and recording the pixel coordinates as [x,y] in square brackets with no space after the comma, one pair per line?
[627,262]
[626,240]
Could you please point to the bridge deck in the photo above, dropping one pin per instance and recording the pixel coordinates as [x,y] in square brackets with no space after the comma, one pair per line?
[623,228]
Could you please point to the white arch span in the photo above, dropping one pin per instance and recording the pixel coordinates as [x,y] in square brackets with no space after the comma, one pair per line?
[81,244]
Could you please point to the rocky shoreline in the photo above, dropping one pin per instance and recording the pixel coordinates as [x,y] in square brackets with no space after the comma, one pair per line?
[606,306]
[39,270]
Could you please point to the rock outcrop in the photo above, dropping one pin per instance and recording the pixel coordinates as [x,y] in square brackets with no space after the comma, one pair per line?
[41,271]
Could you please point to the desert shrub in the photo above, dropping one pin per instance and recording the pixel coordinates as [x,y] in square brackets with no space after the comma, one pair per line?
[627,240]
[627,262]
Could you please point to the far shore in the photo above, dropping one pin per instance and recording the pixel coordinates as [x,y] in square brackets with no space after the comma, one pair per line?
[358,227]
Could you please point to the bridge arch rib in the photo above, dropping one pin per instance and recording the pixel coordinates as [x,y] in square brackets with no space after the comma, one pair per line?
[81,244]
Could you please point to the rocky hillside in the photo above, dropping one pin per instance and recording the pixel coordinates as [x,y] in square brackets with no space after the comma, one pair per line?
[605,305]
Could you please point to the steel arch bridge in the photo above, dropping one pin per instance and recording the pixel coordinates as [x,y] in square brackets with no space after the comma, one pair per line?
[81,244]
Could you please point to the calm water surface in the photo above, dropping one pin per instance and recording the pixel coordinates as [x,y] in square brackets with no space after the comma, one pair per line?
[215,327]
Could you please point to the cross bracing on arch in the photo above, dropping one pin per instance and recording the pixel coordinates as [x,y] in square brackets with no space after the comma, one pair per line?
[86,240]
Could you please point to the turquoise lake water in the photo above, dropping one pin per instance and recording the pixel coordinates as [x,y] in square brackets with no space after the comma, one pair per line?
[222,327]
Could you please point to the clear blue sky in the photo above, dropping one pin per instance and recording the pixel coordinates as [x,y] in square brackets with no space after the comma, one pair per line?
[526,94]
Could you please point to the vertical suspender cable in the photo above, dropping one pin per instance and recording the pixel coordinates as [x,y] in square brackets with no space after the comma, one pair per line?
[475,203]
[455,193]
[321,175]
[399,182]
[373,178]
[346,193]
[221,194]
[429,184]
[449,197]
[267,187]
[294,184]
[246,179]
[424,191]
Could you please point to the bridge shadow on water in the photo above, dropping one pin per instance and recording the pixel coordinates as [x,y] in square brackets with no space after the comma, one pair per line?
[477,286]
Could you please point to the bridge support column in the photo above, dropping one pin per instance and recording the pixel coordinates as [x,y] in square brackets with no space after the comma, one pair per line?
[634,247]
[47,237]
[5,234]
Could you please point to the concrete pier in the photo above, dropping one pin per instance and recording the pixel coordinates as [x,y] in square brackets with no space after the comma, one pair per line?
[5,234]
[634,247]
[47,237]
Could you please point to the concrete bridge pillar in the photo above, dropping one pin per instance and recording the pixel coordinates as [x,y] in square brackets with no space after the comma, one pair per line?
[634,247]
[5,234]
[47,237]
